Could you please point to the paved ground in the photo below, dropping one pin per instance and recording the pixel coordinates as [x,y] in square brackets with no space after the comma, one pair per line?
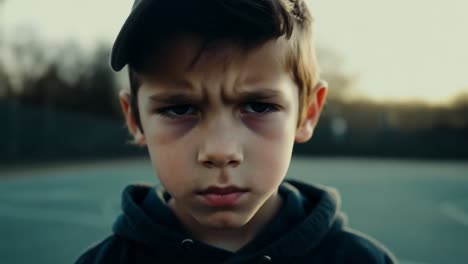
[418,209]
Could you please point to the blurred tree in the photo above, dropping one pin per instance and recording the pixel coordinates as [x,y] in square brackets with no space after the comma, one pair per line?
[460,109]
[5,83]
[340,82]
[461,100]
[99,84]
[66,79]
[27,59]
[5,88]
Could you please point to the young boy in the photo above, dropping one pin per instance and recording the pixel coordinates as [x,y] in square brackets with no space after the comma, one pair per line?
[220,91]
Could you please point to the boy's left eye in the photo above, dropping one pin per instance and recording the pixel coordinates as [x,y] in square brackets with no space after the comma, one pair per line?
[259,108]
[177,111]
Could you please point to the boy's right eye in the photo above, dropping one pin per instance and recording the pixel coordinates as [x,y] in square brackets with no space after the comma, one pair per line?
[177,111]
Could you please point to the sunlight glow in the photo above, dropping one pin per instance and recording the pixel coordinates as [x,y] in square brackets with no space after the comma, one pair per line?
[397,49]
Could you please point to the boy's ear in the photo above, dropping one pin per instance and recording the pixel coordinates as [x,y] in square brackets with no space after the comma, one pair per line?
[314,109]
[133,128]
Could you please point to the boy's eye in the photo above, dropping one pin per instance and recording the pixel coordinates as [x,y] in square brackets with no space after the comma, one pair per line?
[259,108]
[177,110]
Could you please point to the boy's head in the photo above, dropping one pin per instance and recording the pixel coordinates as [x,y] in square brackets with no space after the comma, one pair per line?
[247,22]
[220,91]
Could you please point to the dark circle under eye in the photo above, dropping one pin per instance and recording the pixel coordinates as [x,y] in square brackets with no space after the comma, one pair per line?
[259,107]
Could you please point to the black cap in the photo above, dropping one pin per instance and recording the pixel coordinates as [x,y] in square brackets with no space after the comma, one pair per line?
[146,18]
[119,55]
[151,20]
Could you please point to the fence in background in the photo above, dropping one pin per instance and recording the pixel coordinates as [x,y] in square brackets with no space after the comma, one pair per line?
[41,133]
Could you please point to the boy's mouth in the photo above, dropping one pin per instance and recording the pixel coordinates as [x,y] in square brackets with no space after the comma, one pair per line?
[222,190]
[221,196]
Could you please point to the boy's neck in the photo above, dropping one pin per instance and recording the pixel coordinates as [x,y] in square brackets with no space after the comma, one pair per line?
[231,239]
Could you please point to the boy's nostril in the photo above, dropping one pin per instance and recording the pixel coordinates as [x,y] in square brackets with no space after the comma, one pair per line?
[208,164]
[217,162]
[234,163]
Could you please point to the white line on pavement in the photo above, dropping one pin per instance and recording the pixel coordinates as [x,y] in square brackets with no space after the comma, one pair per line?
[405,261]
[455,213]
[54,215]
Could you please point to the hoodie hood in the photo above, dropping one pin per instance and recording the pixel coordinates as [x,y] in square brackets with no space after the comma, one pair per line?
[308,214]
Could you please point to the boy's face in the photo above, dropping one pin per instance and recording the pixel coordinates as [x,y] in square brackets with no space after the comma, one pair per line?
[220,127]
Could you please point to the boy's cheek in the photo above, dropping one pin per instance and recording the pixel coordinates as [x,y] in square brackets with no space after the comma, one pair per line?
[273,148]
[172,166]
[263,126]
[277,129]
[166,132]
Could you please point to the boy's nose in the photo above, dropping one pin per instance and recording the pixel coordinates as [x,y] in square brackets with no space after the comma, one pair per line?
[220,148]
[219,159]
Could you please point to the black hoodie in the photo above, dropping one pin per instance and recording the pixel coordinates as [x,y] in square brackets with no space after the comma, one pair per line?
[307,229]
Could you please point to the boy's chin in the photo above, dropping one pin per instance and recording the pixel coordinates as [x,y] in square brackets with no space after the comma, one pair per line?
[224,221]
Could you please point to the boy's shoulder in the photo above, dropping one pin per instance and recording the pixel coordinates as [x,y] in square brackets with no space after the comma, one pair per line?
[117,249]
[314,230]
[107,251]
[113,250]
[344,246]
[351,246]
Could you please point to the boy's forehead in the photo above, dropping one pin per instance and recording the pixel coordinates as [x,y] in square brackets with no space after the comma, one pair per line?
[188,54]
[184,72]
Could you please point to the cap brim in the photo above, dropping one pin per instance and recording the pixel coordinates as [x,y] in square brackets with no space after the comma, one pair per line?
[120,50]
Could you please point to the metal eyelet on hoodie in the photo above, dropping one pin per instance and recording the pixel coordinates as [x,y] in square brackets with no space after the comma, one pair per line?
[187,244]
[266,259]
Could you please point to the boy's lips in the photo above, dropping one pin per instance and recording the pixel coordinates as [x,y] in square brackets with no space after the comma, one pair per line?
[221,190]
[222,196]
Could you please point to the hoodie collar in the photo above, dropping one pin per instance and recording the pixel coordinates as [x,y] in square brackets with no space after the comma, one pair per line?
[318,209]
[307,214]
[322,205]
[136,224]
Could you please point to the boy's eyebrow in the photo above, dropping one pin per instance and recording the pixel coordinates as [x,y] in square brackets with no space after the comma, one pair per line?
[173,98]
[181,98]
[261,94]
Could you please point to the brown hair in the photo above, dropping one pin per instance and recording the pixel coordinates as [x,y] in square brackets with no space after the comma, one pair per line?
[250,22]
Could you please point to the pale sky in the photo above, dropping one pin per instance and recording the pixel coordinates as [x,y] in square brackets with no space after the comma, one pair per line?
[399,49]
